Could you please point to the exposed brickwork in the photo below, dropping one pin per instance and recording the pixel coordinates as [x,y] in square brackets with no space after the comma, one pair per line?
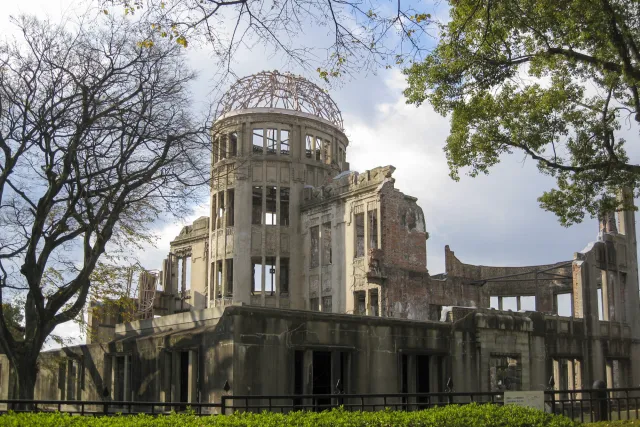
[403,230]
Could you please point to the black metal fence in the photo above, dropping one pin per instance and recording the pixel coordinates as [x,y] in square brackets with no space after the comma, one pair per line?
[585,405]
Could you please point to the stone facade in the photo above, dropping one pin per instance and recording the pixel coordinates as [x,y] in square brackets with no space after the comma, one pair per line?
[307,273]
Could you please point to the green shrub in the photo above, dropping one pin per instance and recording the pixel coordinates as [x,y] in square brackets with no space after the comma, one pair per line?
[447,416]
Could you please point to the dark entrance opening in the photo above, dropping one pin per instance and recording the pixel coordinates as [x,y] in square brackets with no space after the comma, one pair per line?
[322,378]
[422,379]
[184,377]
[298,376]
[404,387]
[118,394]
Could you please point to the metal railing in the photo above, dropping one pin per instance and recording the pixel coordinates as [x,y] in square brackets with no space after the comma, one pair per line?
[103,407]
[585,405]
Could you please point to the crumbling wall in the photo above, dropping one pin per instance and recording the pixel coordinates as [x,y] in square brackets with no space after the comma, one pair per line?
[403,230]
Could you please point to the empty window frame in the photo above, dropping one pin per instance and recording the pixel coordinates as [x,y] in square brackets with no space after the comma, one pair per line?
[258,141]
[327,304]
[314,304]
[505,373]
[340,155]
[527,303]
[256,206]
[231,196]
[229,274]
[373,303]
[360,302]
[563,304]
[218,279]
[121,390]
[270,275]
[216,150]
[318,148]
[567,374]
[220,216]
[600,305]
[513,303]
[284,275]
[284,206]
[285,148]
[270,214]
[184,273]
[223,147]
[256,276]
[309,146]
[373,229]
[359,220]
[233,144]
[214,210]
[326,243]
[314,233]
[510,303]
[272,141]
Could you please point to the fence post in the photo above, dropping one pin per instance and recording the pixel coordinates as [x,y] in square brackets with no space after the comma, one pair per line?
[223,405]
[601,411]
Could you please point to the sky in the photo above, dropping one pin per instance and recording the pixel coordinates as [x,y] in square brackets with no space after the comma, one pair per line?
[488,220]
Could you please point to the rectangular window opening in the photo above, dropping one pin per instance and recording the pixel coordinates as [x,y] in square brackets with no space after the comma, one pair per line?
[229,266]
[563,304]
[218,279]
[216,150]
[214,210]
[309,146]
[284,275]
[187,267]
[256,268]
[270,215]
[284,142]
[327,304]
[600,305]
[284,206]
[318,149]
[233,144]
[314,304]
[373,302]
[221,209]
[373,229]
[223,147]
[256,206]
[528,303]
[494,303]
[326,243]
[505,373]
[258,141]
[315,247]
[230,207]
[360,303]
[359,235]
[510,303]
[270,275]
[272,141]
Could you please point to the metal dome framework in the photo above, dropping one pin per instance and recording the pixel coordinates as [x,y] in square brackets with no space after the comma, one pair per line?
[271,89]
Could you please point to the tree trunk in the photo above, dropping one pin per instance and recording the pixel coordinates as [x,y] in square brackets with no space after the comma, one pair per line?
[26,370]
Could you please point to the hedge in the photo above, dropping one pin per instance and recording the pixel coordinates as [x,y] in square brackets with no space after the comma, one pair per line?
[446,416]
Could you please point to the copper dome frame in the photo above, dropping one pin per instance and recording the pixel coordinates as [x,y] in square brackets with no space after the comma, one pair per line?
[271,89]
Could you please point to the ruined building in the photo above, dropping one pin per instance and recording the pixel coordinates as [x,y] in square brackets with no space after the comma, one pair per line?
[307,277]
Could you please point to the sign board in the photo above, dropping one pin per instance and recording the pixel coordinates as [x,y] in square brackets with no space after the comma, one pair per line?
[531,399]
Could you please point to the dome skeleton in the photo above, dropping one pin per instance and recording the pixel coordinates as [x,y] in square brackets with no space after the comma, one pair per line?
[271,89]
